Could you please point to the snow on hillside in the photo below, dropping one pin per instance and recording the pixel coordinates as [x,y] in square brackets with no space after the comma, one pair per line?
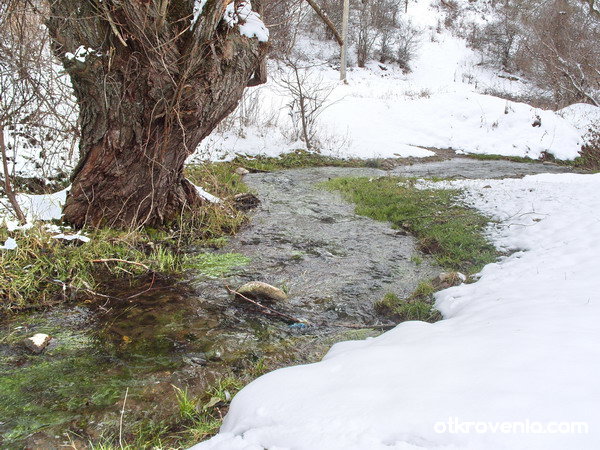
[383,112]
[513,365]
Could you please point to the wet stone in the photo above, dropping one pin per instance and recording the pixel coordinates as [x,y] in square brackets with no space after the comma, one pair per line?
[37,343]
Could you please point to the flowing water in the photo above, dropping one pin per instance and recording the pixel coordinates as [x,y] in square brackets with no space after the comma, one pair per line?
[306,240]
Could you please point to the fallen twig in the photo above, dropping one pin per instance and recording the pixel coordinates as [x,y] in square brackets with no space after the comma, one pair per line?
[265,309]
[107,260]
[145,290]
[121,420]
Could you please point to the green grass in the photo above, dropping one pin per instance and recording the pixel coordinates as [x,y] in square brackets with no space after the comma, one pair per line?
[194,419]
[449,231]
[298,159]
[215,264]
[519,159]
[419,306]
[44,271]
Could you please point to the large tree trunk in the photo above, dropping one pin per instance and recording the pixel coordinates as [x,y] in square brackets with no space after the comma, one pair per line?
[151,88]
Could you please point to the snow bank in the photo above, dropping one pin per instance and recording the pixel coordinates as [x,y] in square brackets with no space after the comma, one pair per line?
[518,350]
[582,116]
[35,207]
[468,122]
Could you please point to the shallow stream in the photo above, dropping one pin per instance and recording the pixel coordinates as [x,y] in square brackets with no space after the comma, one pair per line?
[333,264]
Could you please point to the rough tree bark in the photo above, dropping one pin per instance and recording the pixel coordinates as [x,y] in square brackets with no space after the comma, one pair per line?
[150,86]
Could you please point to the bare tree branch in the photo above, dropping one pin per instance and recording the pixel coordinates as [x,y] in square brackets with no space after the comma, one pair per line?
[325,18]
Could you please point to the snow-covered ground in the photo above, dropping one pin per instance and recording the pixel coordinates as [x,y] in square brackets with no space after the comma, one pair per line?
[513,365]
[382,112]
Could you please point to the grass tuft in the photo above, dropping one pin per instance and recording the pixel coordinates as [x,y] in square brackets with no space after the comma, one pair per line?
[452,233]
[44,271]
[419,306]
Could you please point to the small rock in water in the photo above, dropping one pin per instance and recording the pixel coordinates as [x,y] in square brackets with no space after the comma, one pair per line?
[37,343]
[241,171]
[448,279]
[244,202]
[198,359]
[258,289]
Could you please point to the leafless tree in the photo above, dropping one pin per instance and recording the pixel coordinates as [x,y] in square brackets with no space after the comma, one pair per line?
[309,97]
[561,51]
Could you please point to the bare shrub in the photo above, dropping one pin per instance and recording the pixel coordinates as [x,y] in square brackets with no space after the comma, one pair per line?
[309,96]
[498,40]
[408,41]
[590,152]
[283,19]
[36,107]
[252,111]
[560,51]
[374,26]
[552,43]
[375,22]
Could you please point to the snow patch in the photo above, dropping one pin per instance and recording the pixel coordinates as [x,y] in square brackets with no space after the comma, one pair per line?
[250,23]
[72,237]
[206,196]
[43,207]
[198,8]
[582,116]
[9,244]
[80,54]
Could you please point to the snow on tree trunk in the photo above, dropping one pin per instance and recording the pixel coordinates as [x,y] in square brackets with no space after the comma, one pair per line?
[152,79]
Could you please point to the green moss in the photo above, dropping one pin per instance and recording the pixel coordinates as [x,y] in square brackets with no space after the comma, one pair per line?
[215,264]
[88,367]
[452,233]
[55,391]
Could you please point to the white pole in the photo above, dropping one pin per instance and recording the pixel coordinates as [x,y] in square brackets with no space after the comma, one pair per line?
[344,58]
